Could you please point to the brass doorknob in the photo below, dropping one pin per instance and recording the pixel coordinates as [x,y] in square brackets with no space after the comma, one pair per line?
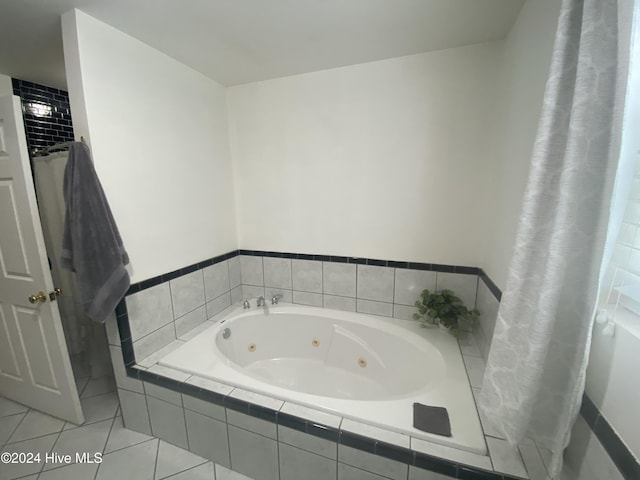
[39,297]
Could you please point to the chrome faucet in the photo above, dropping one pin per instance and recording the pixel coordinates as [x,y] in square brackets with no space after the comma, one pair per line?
[275,298]
[246,305]
[260,302]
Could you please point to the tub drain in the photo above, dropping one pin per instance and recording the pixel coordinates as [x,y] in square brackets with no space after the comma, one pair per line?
[252,347]
[362,362]
[315,342]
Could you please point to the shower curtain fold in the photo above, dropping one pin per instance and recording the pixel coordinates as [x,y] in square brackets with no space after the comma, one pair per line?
[535,372]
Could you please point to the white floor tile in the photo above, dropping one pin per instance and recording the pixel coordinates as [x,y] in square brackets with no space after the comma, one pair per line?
[88,439]
[81,383]
[8,425]
[39,445]
[99,407]
[203,472]
[98,386]
[36,424]
[137,462]
[172,460]
[223,473]
[76,471]
[9,407]
[121,437]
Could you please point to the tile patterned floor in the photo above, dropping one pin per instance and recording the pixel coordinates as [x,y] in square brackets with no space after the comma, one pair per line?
[124,453]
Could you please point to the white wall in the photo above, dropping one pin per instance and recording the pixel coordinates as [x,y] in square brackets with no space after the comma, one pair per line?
[525,66]
[6,88]
[159,138]
[382,160]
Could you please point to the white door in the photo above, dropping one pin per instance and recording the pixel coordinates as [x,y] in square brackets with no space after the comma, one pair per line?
[34,362]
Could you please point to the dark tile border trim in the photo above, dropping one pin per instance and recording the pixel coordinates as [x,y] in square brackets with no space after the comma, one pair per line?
[493,288]
[434,267]
[165,277]
[622,457]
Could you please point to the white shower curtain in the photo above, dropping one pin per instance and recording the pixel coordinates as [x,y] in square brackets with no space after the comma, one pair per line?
[85,341]
[536,367]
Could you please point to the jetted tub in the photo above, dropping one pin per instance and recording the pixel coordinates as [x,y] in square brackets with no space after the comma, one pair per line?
[367,368]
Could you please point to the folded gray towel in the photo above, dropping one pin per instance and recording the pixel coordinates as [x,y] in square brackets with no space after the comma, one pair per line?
[431,419]
[91,243]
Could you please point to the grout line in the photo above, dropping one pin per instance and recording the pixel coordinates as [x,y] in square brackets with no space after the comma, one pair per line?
[104,447]
[173,314]
[144,389]
[322,292]
[278,444]
[169,477]
[52,448]
[24,415]
[475,301]
[226,423]
[544,464]
[228,280]
[524,464]
[184,417]
[133,444]
[155,464]
[356,294]
[393,292]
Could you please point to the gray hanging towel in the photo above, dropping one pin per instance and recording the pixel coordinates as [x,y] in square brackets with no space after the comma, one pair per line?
[91,243]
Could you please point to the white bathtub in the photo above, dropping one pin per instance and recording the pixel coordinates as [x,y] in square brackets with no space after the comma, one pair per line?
[362,367]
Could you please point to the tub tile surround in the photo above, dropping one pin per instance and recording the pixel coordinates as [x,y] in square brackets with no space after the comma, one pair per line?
[241,419]
[487,304]
[331,282]
[375,287]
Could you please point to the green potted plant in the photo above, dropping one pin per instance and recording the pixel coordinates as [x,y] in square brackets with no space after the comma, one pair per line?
[443,307]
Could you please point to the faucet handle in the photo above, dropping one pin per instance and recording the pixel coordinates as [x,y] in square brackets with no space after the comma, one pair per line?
[246,305]
[275,298]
